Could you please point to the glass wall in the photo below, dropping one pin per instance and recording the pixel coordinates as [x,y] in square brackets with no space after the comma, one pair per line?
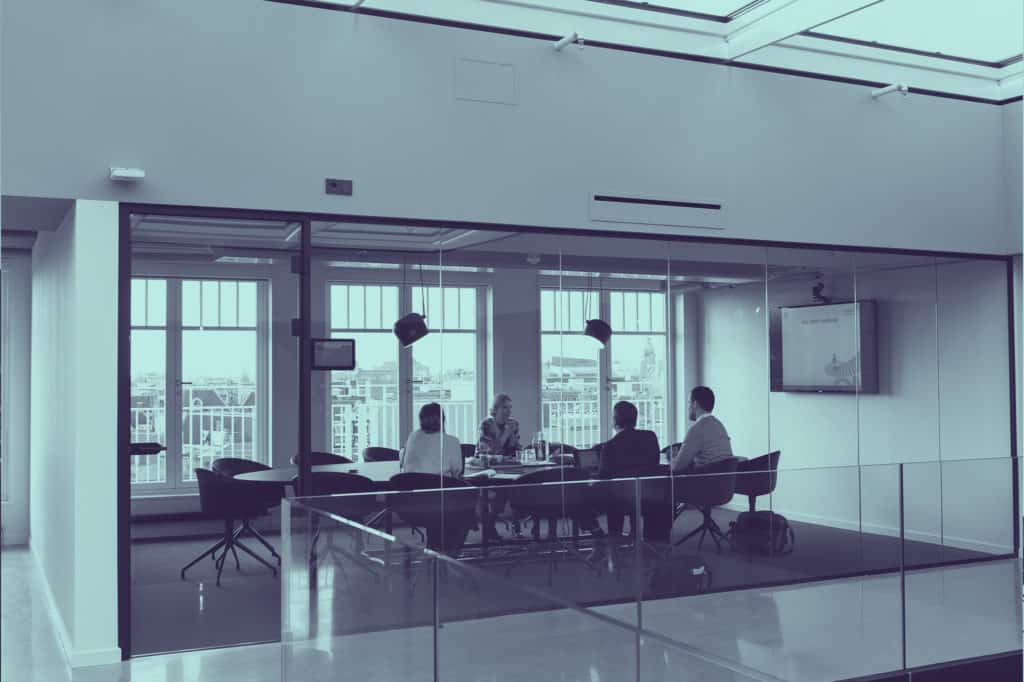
[632,424]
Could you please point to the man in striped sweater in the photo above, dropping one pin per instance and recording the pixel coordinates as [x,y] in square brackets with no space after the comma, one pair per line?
[707,441]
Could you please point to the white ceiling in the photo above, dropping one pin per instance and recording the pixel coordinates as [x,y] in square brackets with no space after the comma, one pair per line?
[775,33]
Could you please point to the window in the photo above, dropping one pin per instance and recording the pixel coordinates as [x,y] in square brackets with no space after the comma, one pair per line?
[199,360]
[378,403]
[444,364]
[364,403]
[638,357]
[570,368]
[575,409]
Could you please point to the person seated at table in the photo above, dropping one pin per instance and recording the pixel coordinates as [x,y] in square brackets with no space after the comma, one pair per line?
[707,441]
[630,452]
[429,449]
[499,433]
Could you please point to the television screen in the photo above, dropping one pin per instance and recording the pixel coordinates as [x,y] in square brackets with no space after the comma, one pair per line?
[827,348]
[335,354]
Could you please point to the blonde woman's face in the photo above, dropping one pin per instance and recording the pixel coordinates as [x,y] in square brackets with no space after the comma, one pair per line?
[503,412]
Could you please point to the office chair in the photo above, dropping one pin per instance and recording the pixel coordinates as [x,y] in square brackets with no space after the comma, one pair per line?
[379,454]
[272,493]
[468,450]
[445,507]
[229,500]
[758,476]
[539,495]
[322,458]
[356,500]
[707,488]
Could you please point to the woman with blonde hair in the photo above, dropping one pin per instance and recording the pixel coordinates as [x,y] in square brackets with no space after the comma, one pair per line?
[499,433]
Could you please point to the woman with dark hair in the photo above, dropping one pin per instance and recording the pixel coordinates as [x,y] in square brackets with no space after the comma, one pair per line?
[429,449]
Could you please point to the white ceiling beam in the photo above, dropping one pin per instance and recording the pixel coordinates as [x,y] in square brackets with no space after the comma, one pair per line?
[790,19]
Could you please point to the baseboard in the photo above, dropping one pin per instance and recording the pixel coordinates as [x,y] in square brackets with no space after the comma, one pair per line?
[51,606]
[74,658]
[889,531]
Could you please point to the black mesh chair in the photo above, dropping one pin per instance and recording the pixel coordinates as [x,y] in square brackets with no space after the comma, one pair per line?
[229,500]
[758,476]
[707,488]
[322,458]
[444,507]
[468,450]
[379,454]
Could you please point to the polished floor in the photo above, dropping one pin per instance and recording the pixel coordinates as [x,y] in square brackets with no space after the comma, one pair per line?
[169,614]
[820,631]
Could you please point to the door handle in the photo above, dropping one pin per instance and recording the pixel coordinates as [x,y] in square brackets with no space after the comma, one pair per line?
[147,448]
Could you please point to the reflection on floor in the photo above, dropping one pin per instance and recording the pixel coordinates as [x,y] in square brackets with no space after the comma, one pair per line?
[806,632]
[169,614]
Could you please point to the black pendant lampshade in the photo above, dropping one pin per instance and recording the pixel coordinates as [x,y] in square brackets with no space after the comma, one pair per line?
[599,331]
[410,329]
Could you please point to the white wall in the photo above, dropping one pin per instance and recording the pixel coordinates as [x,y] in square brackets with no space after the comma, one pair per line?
[74,436]
[16,381]
[944,394]
[244,123]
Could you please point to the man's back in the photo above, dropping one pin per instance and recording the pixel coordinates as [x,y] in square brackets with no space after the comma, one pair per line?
[632,452]
[706,442]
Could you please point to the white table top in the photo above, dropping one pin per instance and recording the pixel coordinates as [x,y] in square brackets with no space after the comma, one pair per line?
[375,471]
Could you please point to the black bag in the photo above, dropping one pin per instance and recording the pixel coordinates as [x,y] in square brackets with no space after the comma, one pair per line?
[761,532]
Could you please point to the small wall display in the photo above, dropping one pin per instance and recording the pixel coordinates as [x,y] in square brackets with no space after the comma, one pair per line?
[334,354]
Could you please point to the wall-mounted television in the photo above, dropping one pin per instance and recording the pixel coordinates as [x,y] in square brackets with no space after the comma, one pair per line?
[829,348]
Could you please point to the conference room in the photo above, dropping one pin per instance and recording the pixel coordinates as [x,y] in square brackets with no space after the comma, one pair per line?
[865,396]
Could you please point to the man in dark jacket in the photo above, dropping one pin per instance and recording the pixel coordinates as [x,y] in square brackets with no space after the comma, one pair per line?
[631,452]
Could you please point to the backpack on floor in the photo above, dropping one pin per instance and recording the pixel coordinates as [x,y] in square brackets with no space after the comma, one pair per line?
[761,532]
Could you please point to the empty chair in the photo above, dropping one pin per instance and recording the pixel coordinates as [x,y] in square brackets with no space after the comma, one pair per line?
[322,458]
[356,500]
[444,507]
[709,487]
[359,501]
[229,500]
[379,454]
[758,476]
[468,450]
[272,493]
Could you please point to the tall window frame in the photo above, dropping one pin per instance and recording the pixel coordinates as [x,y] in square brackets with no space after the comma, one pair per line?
[575,424]
[177,478]
[407,279]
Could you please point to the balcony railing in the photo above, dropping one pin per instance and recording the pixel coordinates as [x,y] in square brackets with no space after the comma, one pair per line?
[578,422]
[355,426]
[208,432]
